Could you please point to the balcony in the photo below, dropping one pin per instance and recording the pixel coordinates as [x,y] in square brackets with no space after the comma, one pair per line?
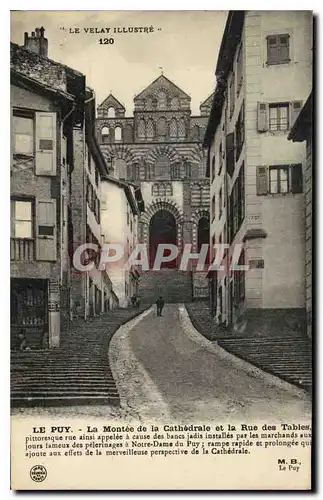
[22,249]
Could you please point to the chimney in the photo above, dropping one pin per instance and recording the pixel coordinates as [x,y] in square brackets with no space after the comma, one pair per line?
[36,42]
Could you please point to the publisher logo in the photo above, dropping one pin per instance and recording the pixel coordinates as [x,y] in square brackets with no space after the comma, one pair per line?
[38,473]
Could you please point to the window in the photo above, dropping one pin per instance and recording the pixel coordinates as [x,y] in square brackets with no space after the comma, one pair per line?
[220,203]
[21,219]
[149,171]
[175,171]
[173,128]
[105,134]
[279,116]
[213,208]
[239,70]
[111,112]
[181,128]
[162,127]
[23,128]
[231,95]
[213,168]
[220,158]
[150,129]
[237,205]
[279,179]
[118,134]
[278,49]
[188,170]
[239,132]
[141,129]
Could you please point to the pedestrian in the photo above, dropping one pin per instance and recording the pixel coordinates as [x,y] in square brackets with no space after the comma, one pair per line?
[134,300]
[160,304]
[137,303]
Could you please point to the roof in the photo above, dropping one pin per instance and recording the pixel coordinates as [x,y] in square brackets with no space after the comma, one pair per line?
[111,100]
[135,199]
[216,113]
[302,127]
[23,80]
[162,79]
[208,101]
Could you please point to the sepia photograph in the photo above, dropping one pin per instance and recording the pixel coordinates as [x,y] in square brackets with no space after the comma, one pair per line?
[161,249]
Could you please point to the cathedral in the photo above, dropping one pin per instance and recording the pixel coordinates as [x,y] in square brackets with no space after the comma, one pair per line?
[160,149]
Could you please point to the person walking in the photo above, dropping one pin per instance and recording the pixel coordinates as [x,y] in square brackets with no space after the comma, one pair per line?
[138,302]
[160,304]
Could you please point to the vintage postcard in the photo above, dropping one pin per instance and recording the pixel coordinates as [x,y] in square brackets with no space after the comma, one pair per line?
[161,250]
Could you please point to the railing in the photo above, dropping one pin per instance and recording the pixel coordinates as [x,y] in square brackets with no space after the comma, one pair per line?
[22,249]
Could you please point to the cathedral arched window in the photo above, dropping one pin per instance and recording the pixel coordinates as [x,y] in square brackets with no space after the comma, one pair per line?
[105,134]
[118,134]
[150,129]
[155,190]
[173,128]
[175,103]
[181,128]
[135,172]
[149,172]
[162,167]
[188,170]
[162,100]
[176,171]
[162,127]
[111,112]
[169,189]
[141,129]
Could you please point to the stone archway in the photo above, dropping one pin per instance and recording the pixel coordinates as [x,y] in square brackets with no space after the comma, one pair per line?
[173,216]
[201,221]
[162,230]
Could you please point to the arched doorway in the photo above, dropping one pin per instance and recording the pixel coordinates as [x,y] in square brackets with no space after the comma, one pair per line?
[162,229]
[203,234]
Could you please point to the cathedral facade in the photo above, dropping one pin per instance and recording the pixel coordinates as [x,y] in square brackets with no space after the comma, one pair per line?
[160,149]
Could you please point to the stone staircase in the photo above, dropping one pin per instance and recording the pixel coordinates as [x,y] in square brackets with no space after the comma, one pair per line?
[288,358]
[174,285]
[284,353]
[78,372]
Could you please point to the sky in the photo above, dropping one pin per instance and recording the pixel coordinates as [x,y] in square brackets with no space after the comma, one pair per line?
[184,44]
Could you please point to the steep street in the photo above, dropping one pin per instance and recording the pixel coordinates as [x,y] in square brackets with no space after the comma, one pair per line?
[168,371]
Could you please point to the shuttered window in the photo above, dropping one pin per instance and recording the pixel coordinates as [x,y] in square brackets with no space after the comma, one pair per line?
[23,131]
[280,179]
[46,230]
[279,116]
[46,143]
[278,49]
[21,219]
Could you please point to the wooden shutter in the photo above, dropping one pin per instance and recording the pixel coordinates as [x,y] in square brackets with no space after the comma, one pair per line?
[294,108]
[46,230]
[262,116]
[230,153]
[45,143]
[262,180]
[297,178]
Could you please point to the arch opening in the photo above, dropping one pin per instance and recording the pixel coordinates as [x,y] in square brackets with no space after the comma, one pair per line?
[203,235]
[162,230]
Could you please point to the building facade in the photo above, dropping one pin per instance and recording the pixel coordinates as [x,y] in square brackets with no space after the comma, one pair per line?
[56,168]
[160,149]
[45,106]
[264,74]
[121,208]
[302,130]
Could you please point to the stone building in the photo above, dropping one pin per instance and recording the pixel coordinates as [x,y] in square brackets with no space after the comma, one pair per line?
[264,74]
[54,160]
[302,130]
[160,149]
